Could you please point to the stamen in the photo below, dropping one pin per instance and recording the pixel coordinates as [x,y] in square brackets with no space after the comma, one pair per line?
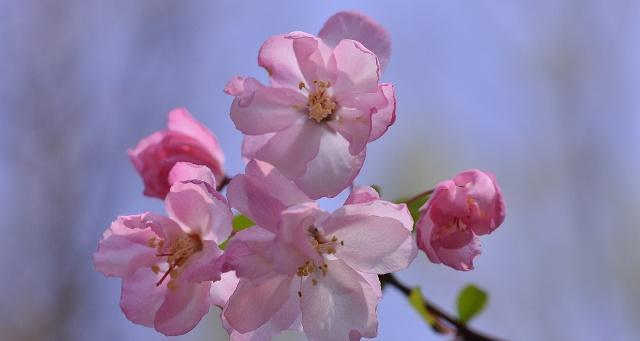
[180,251]
[320,105]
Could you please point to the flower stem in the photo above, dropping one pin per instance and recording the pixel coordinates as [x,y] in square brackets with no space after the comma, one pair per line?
[463,332]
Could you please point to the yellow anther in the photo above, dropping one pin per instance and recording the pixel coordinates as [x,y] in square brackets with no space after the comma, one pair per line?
[155,268]
[320,105]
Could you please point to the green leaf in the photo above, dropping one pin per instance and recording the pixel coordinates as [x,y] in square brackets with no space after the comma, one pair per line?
[414,207]
[241,222]
[471,301]
[417,302]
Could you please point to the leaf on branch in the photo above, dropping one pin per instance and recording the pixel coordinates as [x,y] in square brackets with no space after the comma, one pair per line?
[242,222]
[417,302]
[471,301]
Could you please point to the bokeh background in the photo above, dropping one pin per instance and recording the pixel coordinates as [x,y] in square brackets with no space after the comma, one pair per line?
[542,93]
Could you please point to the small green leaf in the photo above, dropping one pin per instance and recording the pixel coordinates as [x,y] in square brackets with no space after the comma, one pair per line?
[414,207]
[241,222]
[471,301]
[417,302]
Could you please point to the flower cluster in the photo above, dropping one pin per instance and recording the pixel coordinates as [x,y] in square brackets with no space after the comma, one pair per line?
[298,267]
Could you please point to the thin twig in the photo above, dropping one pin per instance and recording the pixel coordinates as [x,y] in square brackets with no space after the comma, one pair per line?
[463,331]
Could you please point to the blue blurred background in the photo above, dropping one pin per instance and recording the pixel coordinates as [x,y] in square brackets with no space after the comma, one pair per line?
[542,93]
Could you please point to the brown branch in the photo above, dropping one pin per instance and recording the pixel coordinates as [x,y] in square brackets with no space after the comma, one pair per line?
[462,330]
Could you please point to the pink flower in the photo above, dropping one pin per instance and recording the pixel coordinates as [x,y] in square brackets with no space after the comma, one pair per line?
[324,104]
[459,210]
[167,263]
[185,140]
[312,266]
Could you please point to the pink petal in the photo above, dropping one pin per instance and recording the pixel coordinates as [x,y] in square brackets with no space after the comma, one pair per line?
[291,149]
[374,282]
[361,195]
[291,58]
[340,306]
[240,86]
[462,258]
[357,26]
[200,211]
[181,121]
[252,143]
[262,193]
[124,248]
[250,254]
[267,109]
[294,231]
[382,208]
[185,171]
[458,258]
[357,68]
[183,308]
[251,306]
[333,169]
[141,298]
[372,244]
[204,265]
[385,116]
[355,128]
[283,319]
[223,289]
[312,55]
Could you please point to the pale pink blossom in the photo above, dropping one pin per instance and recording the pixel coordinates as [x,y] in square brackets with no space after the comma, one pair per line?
[312,266]
[459,210]
[184,140]
[322,107]
[167,264]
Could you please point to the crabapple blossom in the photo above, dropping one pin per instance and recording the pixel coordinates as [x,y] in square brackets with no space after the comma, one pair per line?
[322,107]
[167,264]
[184,140]
[459,210]
[314,266]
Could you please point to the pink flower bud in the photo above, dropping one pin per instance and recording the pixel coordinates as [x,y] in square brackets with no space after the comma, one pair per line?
[184,140]
[458,211]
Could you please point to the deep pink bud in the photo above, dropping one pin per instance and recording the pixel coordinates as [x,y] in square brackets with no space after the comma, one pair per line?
[184,140]
[459,210]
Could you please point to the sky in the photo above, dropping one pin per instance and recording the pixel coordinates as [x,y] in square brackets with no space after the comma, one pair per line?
[543,94]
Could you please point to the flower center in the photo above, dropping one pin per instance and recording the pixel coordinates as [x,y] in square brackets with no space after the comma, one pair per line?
[320,105]
[323,246]
[177,255]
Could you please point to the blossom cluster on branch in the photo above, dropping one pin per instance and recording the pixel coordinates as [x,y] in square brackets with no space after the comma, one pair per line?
[298,267]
